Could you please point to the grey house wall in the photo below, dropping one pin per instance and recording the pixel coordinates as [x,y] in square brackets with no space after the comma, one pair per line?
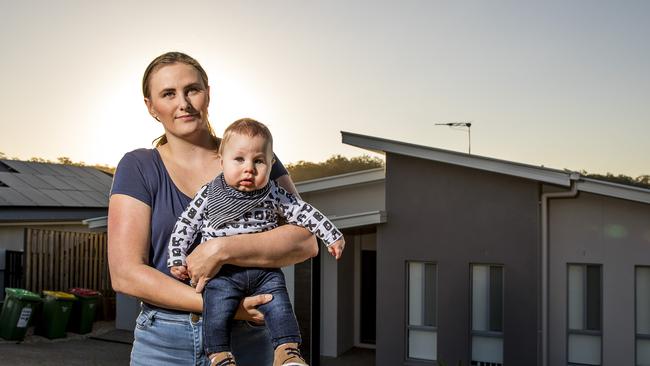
[456,216]
[602,230]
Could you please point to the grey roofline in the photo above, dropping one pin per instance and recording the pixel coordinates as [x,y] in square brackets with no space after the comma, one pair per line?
[532,172]
[604,188]
[541,174]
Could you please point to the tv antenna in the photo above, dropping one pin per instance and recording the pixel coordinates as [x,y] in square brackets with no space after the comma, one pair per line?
[461,126]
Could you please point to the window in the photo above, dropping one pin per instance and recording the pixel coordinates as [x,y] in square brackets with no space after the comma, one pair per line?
[422,328]
[642,316]
[487,314]
[584,339]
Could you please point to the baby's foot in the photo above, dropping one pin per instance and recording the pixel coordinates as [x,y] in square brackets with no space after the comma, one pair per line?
[288,354]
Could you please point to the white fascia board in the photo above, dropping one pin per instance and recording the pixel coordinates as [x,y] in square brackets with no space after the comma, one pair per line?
[359,219]
[96,222]
[614,190]
[343,180]
[451,157]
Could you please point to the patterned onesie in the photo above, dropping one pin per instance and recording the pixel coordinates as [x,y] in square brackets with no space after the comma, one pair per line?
[220,210]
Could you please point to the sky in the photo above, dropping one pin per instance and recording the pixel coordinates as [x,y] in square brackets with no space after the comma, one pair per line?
[564,84]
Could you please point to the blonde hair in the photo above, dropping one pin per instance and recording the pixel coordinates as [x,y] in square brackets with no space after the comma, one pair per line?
[170,58]
[248,127]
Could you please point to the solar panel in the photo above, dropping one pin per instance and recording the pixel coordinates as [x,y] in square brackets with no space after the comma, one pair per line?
[20,167]
[56,182]
[10,179]
[33,181]
[99,174]
[77,184]
[37,197]
[82,198]
[42,168]
[61,197]
[100,199]
[14,198]
[94,183]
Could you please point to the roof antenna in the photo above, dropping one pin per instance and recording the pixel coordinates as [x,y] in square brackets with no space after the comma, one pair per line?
[462,125]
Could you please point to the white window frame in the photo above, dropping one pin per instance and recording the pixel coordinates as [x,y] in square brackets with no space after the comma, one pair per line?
[637,335]
[585,332]
[483,333]
[425,328]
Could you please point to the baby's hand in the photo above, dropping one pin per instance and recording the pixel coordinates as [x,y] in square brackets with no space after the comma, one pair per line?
[336,249]
[179,272]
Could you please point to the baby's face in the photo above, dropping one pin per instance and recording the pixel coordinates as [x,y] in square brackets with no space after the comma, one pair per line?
[247,162]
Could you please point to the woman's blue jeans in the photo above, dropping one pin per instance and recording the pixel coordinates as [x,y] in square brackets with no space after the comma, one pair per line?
[223,294]
[170,338]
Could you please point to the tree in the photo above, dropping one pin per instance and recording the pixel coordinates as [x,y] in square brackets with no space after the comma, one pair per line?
[642,181]
[335,165]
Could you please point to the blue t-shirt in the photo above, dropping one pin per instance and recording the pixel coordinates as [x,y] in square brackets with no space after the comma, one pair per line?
[141,174]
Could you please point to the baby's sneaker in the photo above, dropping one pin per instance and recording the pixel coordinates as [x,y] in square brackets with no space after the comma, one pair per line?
[222,359]
[288,354]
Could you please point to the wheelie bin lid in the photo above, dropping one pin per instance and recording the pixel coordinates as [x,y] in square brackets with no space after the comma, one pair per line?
[84,292]
[59,295]
[22,294]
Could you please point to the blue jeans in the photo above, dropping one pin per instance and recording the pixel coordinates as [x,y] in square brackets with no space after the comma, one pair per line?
[170,338]
[223,294]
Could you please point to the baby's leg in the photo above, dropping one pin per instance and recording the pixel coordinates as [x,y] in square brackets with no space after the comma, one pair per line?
[221,298]
[280,318]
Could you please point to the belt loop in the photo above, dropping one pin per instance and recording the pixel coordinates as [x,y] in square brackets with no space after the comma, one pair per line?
[194,317]
[151,313]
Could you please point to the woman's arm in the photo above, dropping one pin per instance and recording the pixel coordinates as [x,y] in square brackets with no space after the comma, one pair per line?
[282,246]
[129,223]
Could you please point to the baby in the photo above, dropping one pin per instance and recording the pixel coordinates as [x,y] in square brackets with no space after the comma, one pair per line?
[243,200]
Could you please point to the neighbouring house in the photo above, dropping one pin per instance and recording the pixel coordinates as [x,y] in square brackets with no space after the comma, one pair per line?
[488,262]
[48,197]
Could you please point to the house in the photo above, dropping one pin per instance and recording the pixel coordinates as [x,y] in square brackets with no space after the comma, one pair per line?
[45,196]
[488,262]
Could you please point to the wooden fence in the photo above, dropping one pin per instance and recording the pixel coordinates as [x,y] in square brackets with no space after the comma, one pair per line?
[59,260]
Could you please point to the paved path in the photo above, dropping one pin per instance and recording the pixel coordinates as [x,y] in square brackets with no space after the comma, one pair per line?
[73,350]
[106,346]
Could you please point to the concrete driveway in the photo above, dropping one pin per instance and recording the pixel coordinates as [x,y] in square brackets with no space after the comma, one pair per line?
[104,346]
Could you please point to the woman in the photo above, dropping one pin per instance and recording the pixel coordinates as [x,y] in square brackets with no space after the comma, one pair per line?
[151,188]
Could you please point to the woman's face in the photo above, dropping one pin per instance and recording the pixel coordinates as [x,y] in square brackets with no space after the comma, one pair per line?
[179,99]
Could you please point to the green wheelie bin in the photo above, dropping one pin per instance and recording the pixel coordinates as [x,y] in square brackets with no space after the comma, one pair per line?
[83,310]
[17,311]
[57,307]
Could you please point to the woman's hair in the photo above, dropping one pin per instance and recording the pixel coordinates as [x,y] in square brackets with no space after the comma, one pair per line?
[166,59]
[247,127]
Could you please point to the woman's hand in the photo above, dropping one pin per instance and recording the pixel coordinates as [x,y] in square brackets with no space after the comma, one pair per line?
[204,262]
[247,309]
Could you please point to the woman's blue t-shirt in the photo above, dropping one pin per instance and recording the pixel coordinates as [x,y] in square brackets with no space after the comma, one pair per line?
[141,174]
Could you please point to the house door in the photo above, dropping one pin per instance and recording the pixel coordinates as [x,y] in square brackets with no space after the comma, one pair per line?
[368,301]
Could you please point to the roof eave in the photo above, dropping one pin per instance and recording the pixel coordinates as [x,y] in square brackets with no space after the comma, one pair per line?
[450,157]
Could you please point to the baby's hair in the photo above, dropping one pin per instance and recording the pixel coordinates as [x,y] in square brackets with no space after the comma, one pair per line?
[248,127]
